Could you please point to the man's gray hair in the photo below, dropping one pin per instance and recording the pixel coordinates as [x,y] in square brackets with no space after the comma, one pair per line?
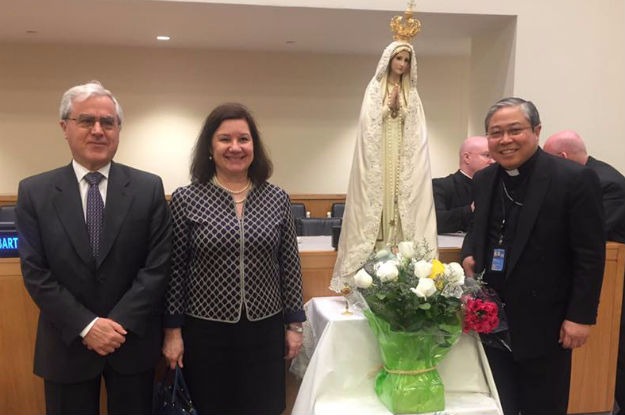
[85,91]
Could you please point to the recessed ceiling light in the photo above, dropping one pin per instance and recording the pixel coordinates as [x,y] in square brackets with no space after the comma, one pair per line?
[161,37]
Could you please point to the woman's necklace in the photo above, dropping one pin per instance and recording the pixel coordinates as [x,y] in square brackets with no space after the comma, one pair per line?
[233,192]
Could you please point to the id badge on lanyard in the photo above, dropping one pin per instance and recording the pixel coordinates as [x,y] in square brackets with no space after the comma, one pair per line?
[499,259]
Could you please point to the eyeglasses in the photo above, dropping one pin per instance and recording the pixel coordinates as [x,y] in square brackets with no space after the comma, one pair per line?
[512,132]
[88,121]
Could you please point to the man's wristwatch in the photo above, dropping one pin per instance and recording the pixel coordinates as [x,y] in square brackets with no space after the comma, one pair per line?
[296,328]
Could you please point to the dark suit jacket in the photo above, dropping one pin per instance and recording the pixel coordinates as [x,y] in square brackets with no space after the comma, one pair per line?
[555,269]
[126,284]
[613,189]
[452,199]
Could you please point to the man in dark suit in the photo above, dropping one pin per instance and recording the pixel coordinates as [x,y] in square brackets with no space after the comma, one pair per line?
[569,145]
[538,235]
[453,196]
[95,259]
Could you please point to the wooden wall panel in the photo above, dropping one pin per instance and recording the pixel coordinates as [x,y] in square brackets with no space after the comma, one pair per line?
[8,200]
[594,364]
[21,391]
[316,273]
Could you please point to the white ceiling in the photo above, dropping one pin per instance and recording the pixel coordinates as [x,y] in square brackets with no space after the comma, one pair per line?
[232,27]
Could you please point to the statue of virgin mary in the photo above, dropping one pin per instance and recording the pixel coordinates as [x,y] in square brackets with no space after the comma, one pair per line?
[389,195]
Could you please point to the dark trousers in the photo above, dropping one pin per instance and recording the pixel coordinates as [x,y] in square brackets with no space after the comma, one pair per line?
[533,386]
[126,394]
[235,368]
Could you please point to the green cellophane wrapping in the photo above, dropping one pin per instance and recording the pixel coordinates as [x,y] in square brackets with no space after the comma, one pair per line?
[419,388]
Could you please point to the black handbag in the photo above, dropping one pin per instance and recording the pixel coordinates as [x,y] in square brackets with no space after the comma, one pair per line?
[171,395]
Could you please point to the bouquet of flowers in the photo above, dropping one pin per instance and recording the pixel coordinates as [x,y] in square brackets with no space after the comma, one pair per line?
[414,304]
[481,307]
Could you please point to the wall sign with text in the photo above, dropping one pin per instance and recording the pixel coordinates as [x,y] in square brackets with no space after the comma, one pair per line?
[8,244]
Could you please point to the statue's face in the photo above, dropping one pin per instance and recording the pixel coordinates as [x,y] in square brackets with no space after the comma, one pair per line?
[400,63]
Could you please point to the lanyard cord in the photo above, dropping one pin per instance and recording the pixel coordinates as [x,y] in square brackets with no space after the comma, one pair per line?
[502,226]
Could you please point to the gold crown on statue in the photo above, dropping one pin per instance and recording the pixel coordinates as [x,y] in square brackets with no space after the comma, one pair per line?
[405,27]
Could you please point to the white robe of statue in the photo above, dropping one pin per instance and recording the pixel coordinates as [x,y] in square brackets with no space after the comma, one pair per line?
[391,163]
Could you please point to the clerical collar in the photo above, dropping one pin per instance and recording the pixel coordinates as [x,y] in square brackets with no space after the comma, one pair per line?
[465,175]
[524,168]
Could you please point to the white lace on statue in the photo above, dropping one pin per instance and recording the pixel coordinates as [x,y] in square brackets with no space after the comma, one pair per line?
[372,182]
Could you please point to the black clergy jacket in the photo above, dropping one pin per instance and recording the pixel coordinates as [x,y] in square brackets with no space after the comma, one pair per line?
[452,200]
[555,268]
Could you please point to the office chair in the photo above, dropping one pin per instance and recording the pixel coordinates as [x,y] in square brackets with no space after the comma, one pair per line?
[299,210]
[337,210]
[316,226]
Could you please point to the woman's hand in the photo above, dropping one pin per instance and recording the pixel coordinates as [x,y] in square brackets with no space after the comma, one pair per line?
[293,342]
[173,347]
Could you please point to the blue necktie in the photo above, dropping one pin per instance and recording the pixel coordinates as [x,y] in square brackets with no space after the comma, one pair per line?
[95,211]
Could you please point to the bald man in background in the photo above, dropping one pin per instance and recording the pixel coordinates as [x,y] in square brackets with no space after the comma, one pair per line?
[569,145]
[453,197]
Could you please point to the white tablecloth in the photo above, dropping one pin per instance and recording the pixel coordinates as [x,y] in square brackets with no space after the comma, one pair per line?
[450,240]
[324,243]
[314,243]
[344,359]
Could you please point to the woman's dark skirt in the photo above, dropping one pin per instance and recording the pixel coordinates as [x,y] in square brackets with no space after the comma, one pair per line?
[235,368]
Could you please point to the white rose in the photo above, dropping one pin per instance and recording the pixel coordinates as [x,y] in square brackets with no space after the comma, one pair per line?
[406,249]
[422,269]
[387,271]
[362,279]
[425,288]
[454,273]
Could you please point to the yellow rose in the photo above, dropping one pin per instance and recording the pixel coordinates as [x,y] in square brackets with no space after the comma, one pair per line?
[437,269]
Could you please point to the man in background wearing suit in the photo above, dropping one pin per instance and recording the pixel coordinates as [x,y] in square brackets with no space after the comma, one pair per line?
[94,248]
[453,196]
[569,145]
[538,235]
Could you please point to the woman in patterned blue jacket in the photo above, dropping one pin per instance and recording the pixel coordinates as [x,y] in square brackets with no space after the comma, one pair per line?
[234,306]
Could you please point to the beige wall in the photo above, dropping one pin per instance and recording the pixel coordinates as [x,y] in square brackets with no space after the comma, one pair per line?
[568,56]
[307,107]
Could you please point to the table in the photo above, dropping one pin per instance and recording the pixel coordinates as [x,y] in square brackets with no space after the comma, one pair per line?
[314,243]
[344,359]
[324,243]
